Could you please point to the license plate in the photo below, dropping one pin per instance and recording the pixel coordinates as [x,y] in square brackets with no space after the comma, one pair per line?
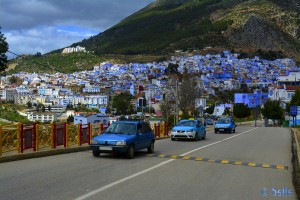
[221,129]
[105,148]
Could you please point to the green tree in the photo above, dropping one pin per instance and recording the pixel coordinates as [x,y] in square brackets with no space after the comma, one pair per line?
[272,110]
[70,119]
[241,110]
[29,104]
[210,109]
[172,69]
[226,111]
[166,108]
[3,50]
[121,103]
[15,80]
[187,93]
[295,101]
[43,108]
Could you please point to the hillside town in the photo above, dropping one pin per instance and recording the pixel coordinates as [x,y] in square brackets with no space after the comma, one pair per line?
[149,83]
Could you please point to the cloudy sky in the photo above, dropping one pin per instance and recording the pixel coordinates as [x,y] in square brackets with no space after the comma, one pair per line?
[32,26]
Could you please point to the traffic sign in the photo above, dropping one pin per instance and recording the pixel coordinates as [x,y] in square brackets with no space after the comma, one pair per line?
[293,110]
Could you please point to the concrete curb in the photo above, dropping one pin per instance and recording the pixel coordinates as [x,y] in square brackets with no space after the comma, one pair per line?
[295,162]
[297,146]
[44,153]
[49,152]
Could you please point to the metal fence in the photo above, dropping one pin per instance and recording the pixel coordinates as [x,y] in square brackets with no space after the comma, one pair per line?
[37,137]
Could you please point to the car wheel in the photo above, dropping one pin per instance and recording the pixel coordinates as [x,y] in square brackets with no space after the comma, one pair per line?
[130,152]
[204,136]
[196,136]
[216,131]
[96,153]
[233,130]
[172,139]
[151,148]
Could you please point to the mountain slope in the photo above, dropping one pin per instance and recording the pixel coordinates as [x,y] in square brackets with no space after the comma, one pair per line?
[167,25]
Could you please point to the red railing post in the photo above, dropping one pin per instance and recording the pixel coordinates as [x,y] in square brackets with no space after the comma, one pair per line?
[101,128]
[34,136]
[89,133]
[167,129]
[154,129]
[80,135]
[54,136]
[22,138]
[65,134]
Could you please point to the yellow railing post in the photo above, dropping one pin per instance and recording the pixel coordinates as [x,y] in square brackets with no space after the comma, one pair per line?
[19,137]
[0,140]
[37,138]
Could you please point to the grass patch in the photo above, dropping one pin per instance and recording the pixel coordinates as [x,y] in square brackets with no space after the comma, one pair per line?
[10,113]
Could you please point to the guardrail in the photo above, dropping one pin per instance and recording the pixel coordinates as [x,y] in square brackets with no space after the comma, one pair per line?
[160,129]
[18,138]
[37,137]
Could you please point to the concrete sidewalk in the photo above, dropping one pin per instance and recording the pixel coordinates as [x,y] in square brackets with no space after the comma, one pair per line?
[13,156]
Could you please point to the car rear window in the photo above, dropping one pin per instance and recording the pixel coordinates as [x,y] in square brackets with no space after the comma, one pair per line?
[122,128]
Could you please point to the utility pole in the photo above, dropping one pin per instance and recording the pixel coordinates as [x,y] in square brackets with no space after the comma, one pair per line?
[176,105]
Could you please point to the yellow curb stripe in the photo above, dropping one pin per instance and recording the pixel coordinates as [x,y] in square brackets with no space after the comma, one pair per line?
[238,162]
[225,161]
[280,167]
[186,158]
[249,164]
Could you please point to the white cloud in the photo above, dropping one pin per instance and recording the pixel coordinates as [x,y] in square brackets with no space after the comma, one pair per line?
[32,26]
[42,39]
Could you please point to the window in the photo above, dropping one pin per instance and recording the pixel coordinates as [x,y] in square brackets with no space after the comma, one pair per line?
[147,128]
[140,128]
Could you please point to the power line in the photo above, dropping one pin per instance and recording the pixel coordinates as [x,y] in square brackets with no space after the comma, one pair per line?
[49,67]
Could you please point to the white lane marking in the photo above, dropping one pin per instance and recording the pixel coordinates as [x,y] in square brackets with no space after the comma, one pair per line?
[94,192]
[218,142]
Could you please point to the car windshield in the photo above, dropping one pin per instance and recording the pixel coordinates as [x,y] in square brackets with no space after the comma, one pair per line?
[187,123]
[223,121]
[121,128]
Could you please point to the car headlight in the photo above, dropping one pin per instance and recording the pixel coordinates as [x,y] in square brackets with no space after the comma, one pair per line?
[94,142]
[121,143]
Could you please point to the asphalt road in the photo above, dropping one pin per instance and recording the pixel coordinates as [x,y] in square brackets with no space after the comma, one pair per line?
[81,176]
